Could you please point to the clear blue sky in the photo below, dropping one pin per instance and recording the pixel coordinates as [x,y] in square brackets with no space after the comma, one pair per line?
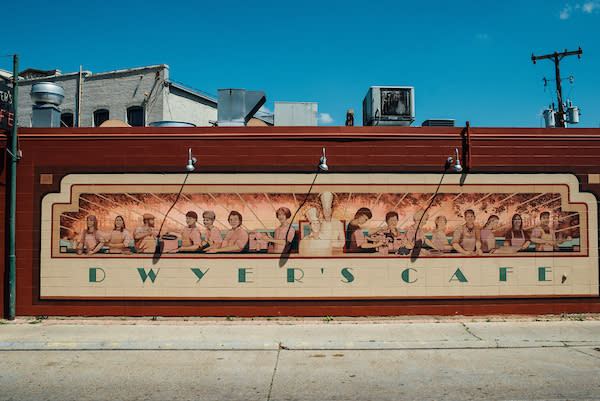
[468,60]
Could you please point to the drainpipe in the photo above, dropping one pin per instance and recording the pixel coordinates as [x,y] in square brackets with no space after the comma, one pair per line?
[13,194]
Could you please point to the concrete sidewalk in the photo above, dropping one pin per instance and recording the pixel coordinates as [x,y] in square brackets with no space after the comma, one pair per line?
[302,334]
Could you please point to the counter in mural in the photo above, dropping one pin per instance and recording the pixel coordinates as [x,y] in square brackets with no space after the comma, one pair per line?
[224,236]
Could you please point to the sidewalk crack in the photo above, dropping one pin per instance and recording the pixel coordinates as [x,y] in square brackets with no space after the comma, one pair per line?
[469,331]
[279,348]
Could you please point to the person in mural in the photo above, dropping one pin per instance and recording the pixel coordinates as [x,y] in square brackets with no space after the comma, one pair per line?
[313,244]
[389,235]
[145,236]
[356,240]
[543,236]
[236,239]
[412,234]
[488,237]
[439,239]
[118,239]
[516,238]
[332,229]
[213,236]
[283,234]
[191,238]
[467,238]
[92,239]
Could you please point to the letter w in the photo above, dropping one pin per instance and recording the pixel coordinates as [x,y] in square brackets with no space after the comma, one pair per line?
[150,274]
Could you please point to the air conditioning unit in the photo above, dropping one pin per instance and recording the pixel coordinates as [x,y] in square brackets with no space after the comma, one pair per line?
[389,106]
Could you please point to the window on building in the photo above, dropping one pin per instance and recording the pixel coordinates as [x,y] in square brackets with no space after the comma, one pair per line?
[135,116]
[100,116]
[66,120]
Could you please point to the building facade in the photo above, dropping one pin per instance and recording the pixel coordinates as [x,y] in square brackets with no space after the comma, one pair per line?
[139,96]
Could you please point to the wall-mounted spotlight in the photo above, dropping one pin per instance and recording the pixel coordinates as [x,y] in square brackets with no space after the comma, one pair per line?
[323,162]
[191,161]
[457,167]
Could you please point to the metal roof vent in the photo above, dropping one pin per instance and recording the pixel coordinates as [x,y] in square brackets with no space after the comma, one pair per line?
[236,106]
[46,96]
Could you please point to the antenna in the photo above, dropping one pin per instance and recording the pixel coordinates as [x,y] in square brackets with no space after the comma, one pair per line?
[556,57]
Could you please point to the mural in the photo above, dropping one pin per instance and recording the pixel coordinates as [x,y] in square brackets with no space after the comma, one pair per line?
[352,217]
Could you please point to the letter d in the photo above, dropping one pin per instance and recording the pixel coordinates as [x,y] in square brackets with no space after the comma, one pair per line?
[94,277]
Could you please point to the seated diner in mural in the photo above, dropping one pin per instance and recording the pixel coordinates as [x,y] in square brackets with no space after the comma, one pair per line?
[439,239]
[356,240]
[389,235]
[145,235]
[191,238]
[92,240]
[516,238]
[284,234]
[413,235]
[236,239]
[466,238]
[119,238]
[543,236]
[212,236]
[487,234]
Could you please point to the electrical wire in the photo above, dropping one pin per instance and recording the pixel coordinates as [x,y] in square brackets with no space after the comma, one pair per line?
[288,244]
[417,249]
[158,247]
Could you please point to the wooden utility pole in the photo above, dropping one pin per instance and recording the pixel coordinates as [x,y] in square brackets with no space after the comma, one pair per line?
[560,120]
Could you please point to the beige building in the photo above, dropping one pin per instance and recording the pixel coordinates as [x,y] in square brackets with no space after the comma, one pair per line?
[139,96]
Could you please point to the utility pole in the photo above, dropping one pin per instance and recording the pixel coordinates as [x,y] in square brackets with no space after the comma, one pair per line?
[14,158]
[560,120]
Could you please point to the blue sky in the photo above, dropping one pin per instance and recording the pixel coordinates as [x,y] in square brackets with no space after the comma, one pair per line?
[468,60]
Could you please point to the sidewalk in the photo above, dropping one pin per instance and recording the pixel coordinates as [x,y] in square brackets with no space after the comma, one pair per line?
[299,333]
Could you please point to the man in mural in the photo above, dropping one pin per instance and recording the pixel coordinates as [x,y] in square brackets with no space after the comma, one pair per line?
[191,238]
[145,236]
[313,244]
[332,230]
[543,236]
[466,238]
[213,236]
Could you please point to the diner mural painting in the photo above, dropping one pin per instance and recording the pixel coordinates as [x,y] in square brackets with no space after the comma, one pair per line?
[232,236]
[331,224]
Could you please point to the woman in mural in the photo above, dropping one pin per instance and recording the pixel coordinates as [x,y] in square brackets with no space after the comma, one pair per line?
[488,237]
[467,238]
[543,236]
[118,239]
[439,240]
[389,235]
[236,239]
[92,239]
[313,244]
[356,240]
[283,234]
[213,236]
[516,238]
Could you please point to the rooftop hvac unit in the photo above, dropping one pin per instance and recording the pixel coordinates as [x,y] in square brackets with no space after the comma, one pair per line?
[439,122]
[389,106]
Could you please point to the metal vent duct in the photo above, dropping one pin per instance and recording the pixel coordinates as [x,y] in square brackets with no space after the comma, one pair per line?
[46,97]
[237,106]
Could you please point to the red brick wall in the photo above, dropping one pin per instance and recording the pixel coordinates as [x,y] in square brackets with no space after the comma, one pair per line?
[281,149]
